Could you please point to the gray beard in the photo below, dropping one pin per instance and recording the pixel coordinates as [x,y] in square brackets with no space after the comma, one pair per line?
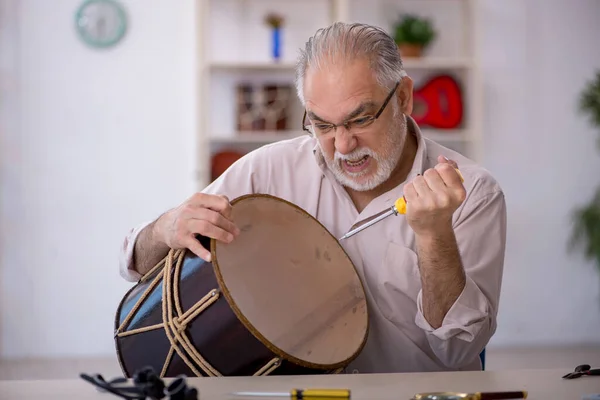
[386,161]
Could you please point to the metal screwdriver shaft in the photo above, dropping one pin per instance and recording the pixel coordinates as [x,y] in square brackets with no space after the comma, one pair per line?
[399,207]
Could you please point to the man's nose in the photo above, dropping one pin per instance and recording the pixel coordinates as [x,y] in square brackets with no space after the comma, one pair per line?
[345,142]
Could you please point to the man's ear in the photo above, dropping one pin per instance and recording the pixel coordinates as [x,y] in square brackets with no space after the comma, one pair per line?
[405,95]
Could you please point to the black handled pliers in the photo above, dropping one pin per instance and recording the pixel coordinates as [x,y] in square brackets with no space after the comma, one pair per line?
[582,370]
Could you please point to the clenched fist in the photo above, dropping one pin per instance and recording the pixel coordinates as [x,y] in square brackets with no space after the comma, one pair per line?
[432,198]
[205,214]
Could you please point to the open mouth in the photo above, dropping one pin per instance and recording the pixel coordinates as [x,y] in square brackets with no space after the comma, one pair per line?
[357,164]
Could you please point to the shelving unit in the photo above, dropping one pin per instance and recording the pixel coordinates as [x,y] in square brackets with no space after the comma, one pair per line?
[234,47]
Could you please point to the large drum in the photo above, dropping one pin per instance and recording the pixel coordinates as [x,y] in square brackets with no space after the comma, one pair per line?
[283,298]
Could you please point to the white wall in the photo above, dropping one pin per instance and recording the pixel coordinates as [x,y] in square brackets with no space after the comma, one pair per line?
[538,55]
[104,140]
[95,142]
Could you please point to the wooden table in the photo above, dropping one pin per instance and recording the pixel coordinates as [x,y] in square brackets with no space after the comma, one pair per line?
[542,384]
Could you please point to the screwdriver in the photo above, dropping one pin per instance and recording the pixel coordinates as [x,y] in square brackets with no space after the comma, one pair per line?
[522,394]
[399,207]
[298,394]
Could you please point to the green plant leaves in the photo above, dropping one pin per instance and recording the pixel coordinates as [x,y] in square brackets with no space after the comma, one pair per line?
[586,228]
[414,30]
[589,101]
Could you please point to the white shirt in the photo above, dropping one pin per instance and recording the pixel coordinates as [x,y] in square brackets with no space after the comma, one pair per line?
[400,339]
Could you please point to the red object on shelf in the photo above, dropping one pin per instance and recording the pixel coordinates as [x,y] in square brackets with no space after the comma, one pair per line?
[223,160]
[438,103]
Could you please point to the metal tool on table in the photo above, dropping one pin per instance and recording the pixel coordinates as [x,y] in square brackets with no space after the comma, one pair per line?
[581,370]
[298,394]
[399,207]
[520,394]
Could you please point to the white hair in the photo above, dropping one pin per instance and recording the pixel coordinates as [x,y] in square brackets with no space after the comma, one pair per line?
[348,42]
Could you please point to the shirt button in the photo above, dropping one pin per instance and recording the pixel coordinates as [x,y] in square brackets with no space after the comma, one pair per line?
[355,371]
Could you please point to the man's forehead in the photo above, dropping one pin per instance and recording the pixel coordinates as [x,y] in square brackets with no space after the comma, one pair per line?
[339,74]
[330,93]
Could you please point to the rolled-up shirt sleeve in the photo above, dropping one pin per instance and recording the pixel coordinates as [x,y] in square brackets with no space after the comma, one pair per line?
[126,269]
[468,326]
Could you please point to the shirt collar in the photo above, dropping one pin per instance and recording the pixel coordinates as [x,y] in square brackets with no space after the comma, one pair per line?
[420,162]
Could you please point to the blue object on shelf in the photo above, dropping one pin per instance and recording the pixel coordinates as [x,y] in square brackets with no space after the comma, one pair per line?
[276,42]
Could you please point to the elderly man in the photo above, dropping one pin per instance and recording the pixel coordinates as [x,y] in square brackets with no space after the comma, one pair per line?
[433,276]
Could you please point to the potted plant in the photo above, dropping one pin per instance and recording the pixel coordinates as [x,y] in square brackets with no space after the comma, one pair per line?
[413,34]
[586,229]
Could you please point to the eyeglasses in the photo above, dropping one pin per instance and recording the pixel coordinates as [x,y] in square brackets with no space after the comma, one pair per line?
[355,125]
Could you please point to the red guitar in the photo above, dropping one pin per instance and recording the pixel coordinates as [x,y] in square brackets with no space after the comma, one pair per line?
[438,103]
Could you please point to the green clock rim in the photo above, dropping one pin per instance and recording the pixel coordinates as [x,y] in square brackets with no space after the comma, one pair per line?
[102,44]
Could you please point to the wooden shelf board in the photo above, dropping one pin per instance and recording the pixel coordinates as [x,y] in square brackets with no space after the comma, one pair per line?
[451,135]
[255,137]
[448,136]
[243,66]
[437,62]
[409,63]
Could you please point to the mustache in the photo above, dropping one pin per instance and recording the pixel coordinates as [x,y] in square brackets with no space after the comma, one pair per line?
[355,155]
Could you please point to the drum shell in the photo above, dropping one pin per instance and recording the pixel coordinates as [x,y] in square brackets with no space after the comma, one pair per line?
[216,333]
[279,243]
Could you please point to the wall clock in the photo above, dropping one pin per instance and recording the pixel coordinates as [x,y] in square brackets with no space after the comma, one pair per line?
[101,23]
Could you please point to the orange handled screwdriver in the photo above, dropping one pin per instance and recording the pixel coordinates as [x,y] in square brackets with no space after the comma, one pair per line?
[399,207]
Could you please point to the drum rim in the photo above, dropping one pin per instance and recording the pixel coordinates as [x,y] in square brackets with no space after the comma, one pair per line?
[250,327]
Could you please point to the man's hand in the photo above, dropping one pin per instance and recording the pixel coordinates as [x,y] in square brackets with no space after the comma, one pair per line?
[431,199]
[205,214]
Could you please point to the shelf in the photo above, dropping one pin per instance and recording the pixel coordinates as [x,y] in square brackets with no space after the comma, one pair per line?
[446,135]
[409,63]
[451,135]
[437,63]
[255,137]
[245,66]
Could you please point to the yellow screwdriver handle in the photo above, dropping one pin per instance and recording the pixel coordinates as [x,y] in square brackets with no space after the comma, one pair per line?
[400,204]
[320,394]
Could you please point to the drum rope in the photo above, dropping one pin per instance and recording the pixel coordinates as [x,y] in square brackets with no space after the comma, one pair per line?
[141,330]
[154,269]
[269,367]
[174,327]
[163,372]
[136,306]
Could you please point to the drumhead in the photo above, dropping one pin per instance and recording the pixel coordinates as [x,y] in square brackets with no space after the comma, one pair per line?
[292,284]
